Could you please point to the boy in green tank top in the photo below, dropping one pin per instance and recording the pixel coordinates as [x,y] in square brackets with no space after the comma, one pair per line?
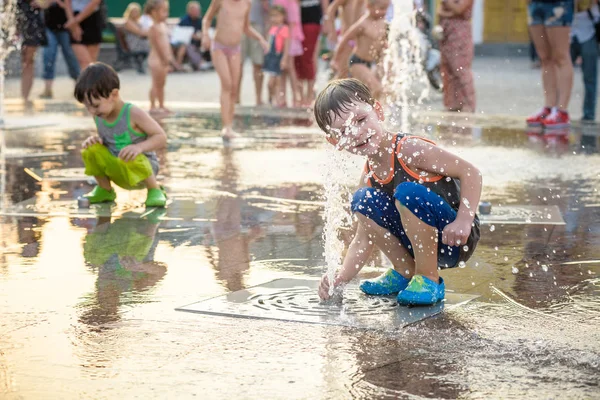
[123,151]
[416,201]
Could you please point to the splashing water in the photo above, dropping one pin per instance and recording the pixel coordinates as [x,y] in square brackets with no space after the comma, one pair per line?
[403,64]
[8,29]
[403,75]
[337,215]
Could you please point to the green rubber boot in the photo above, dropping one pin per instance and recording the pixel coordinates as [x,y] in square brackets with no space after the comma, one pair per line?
[156,198]
[100,195]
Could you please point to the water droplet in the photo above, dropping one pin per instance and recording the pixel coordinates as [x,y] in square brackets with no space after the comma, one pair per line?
[515,270]
[465,248]
[462,264]
[544,267]
[492,228]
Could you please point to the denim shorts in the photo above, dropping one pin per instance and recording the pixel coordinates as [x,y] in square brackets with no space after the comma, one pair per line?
[557,13]
[429,207]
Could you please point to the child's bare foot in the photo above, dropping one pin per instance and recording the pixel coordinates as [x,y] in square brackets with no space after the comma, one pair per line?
[166,111]
[228,134]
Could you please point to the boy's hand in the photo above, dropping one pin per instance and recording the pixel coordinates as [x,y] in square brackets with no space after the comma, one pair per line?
[334,64]
[457,232]
[324,286]
[130,152]
[91,141]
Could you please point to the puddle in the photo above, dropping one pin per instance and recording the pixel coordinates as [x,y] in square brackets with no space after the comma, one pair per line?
[88,296]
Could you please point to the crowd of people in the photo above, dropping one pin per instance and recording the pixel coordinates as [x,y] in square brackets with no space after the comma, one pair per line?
[282,40]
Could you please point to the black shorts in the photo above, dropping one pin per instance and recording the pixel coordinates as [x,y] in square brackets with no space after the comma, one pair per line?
[30,25]
[92,28]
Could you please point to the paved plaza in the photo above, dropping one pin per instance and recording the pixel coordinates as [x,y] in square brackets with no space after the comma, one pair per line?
[91,298]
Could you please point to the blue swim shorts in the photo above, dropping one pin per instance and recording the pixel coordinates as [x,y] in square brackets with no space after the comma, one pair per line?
[551,13]
[432,209]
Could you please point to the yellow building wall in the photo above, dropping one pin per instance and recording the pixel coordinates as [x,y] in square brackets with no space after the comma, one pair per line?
[505,21]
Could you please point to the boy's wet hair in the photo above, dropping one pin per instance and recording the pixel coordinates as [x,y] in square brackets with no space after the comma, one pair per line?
[98,80]
[337,97]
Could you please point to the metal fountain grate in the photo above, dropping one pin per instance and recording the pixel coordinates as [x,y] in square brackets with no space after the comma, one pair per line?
[296,300]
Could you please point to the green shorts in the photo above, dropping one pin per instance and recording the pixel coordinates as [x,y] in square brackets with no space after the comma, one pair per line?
[99,161]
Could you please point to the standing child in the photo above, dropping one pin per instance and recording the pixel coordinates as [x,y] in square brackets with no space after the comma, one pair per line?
[232,23]
[161,56]
[370,33]
[123,151]
[277,59]
[416,204]
[292,11]
[350,12]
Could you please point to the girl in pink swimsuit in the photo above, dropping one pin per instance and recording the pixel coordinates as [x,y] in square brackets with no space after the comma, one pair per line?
[292,8]
[232,24]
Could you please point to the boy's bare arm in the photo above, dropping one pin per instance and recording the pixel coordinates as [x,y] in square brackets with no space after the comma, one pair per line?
[448,164]
[142,122]
[352,33]
[330,15]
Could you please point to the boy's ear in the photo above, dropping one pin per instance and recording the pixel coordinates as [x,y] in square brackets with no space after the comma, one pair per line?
[331,140]
[114,93]
[379,110]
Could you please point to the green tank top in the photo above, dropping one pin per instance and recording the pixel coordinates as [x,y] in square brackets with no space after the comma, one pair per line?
[120,133]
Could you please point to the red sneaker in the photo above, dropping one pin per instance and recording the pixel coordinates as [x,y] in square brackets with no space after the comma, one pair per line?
[536,119]
[557,119]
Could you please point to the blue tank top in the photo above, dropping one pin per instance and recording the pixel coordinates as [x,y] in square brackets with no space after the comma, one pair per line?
[446,187]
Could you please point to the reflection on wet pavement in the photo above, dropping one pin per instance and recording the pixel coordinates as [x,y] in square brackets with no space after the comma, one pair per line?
[88,296]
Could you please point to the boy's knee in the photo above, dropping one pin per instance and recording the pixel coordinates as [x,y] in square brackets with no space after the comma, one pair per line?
[366,199]
[408,194]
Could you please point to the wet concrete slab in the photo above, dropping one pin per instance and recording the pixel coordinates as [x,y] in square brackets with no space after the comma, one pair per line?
[88,297]
[296,300]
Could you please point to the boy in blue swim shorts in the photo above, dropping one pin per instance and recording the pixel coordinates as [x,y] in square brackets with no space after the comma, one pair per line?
[416,202]
[123,152]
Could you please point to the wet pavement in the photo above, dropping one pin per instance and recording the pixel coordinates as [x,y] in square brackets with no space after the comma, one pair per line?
[88,296]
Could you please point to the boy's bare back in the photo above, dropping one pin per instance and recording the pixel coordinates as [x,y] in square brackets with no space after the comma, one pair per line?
[371,38]
[231,21]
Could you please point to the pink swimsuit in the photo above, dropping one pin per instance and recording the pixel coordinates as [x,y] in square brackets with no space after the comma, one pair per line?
[227,50]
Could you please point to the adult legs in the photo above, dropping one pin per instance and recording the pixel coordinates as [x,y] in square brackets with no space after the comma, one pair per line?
[27,65]
[49,53]
[544,52]
[82,54]
[589,55]
[64,41]
[559,41]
